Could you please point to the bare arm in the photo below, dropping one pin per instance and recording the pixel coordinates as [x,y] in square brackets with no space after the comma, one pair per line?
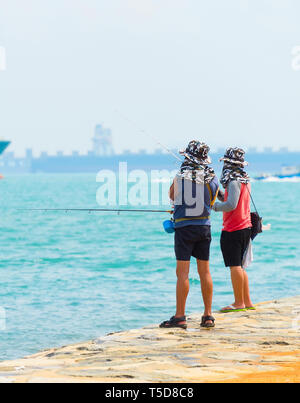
[172,192]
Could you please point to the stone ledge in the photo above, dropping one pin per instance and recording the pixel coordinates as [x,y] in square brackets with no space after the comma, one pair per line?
[252,346]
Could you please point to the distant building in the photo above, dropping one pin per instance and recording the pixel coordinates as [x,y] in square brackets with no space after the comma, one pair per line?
[102,141]
[29,154]
[9,155]
[102,156]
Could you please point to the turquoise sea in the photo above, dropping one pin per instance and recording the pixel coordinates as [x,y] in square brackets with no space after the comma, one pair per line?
[66,278]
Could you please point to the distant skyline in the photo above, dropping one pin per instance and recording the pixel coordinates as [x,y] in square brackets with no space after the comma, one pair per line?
[221,72]
[159,150]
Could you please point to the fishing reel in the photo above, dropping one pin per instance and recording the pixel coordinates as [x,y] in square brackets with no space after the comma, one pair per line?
[169,226]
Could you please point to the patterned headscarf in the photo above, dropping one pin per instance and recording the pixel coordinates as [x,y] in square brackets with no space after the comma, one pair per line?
[234,164]
[195,166]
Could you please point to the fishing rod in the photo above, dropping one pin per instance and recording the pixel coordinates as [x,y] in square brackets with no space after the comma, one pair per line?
[91,210]
[142,131]
[168,224]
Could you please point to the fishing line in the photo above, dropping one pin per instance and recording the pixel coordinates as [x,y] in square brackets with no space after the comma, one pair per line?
[142,131]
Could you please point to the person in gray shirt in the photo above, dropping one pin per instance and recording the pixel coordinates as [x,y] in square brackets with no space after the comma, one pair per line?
[236,234]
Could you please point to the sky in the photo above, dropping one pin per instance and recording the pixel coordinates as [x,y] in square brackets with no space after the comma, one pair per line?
[216,71]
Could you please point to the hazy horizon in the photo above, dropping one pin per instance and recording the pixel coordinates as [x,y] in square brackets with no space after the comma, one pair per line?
[221,72]
[151,151]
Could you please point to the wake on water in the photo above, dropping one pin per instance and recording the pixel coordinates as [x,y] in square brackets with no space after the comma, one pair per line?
[294,179]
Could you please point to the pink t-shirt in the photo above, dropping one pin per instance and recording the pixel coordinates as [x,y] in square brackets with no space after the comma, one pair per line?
[240,218]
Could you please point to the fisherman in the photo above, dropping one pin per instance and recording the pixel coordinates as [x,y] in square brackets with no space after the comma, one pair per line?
[194,192]
[236,234]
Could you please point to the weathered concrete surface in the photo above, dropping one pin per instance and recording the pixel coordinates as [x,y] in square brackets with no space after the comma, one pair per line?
[258,346]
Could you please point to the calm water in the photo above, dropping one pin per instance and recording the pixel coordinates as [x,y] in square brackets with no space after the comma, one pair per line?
[66,278]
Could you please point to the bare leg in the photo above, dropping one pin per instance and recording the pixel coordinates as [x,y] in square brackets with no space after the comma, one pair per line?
[206,286]
[183,287]
[247,298]
[238,280]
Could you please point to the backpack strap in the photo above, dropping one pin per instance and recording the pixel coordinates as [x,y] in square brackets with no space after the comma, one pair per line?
[252,200]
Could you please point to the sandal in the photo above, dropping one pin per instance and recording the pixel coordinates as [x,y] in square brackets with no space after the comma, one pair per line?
[174,322]
[206,319]
[231,308]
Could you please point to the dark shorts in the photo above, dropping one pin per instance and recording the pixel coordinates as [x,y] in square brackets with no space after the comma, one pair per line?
[193,240]
[234,245]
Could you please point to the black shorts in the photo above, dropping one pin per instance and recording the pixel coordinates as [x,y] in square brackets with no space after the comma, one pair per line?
[234,245]
[193,240]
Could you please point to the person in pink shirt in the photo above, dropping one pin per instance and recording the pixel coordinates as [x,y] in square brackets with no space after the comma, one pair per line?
[236,233]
